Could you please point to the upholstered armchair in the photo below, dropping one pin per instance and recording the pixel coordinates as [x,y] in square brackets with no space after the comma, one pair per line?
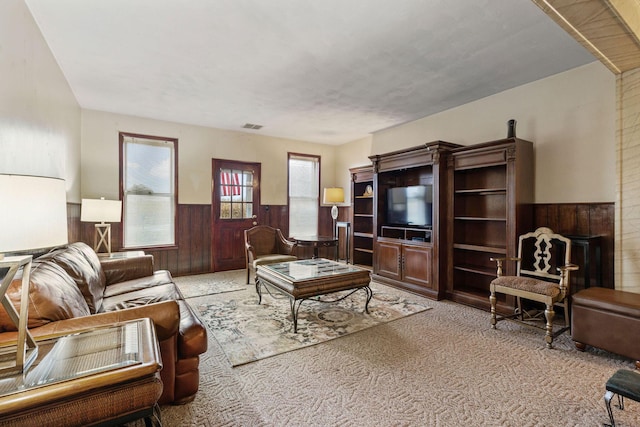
[543,266]
[266,245]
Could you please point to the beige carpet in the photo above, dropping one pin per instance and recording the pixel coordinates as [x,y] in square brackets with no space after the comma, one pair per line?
[442,367]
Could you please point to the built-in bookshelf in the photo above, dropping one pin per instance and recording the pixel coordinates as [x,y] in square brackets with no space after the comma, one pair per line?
[491,206]
[362,202]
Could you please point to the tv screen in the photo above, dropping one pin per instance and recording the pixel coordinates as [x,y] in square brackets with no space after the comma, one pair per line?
[410,206]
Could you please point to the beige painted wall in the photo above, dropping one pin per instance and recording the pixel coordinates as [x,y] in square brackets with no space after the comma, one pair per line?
[353,154]
[39,115]
[196,147]
[570,118]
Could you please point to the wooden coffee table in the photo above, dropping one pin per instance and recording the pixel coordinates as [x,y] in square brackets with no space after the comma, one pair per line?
[305,279]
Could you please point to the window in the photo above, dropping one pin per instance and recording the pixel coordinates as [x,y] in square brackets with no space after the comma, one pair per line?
[304,194]
[148,182]
[236,194]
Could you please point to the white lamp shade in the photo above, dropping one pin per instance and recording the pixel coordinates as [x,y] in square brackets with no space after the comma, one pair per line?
[34,213]
[100,210]
[333,195]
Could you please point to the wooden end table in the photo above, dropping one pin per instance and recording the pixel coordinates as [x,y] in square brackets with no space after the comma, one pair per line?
[305,279]
[317,242]
[102,376]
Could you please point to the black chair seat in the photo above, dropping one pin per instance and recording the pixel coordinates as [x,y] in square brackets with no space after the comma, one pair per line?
[626,383]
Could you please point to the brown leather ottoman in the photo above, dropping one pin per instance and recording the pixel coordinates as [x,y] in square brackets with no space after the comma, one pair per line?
[608,319]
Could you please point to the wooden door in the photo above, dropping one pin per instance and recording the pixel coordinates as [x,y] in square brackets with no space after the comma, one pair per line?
[235,203]
[388,259]
[417,265]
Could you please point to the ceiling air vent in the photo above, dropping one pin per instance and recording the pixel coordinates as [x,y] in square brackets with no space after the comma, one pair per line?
[251,126]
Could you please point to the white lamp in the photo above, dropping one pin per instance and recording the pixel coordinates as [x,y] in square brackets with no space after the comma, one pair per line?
[333,196]
[34,217]
[101,211]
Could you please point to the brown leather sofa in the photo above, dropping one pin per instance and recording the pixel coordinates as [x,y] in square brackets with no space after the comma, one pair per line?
[71,289]
[608,319]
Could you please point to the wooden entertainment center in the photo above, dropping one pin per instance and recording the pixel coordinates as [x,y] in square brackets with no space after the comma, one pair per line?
[479,200]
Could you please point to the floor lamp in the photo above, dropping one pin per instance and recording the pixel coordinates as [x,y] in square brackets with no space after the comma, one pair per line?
[333,196]
[102,212]
[36,219]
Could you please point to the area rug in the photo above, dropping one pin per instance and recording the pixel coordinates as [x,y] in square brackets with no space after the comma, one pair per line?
[248,332]
[212,283]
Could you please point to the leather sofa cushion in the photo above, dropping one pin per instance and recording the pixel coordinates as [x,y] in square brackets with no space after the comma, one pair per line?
[157,278]
[118,270]
[53,296]
[83,265]
[141,297]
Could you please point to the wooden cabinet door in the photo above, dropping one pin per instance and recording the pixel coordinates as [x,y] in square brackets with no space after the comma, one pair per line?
[388,257]
[417,262]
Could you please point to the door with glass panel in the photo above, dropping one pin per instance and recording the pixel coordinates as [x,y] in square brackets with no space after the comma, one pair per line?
[234,208]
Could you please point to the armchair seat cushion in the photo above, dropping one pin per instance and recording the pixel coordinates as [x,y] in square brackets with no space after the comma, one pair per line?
[528,284]
[272,259]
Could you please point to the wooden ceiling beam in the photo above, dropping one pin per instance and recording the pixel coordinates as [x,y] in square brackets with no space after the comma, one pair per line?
[609,29]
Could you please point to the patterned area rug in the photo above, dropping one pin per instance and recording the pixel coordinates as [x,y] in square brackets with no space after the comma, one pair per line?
[248,332]
[211,283]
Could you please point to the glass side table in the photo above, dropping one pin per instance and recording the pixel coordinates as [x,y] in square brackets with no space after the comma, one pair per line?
[92,364]
[120,255]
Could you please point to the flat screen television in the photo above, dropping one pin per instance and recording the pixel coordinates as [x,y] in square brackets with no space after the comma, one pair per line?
[410,206]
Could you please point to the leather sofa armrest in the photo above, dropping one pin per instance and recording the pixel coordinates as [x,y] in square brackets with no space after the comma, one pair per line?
[165,316]
[118,270]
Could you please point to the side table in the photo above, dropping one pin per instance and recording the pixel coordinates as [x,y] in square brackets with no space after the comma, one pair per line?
[589,245]
[317,242]
[103,376]
[119,255]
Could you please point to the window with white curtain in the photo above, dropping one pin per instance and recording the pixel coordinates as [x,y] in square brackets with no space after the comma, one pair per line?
[148,183]
[304,194]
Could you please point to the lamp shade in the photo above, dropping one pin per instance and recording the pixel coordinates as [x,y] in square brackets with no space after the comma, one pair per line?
[333,195]
[100,210]
[34,213]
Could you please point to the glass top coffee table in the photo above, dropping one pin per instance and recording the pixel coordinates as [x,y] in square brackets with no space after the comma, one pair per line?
[305,279]
[95,363]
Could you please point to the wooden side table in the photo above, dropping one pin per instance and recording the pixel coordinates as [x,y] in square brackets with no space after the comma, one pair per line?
[590,245]
[317,242]
[103,376]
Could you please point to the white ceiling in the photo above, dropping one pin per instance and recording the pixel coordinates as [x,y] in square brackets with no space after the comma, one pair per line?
[328,71]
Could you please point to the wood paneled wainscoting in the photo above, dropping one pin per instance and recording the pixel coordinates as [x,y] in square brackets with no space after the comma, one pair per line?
[192,253]
[583,219]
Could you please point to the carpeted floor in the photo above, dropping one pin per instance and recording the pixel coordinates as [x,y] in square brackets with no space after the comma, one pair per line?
[210,284]
[248,331]
[442,367]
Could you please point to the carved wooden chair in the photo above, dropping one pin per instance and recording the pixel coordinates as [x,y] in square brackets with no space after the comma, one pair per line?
[266,245]
[543,266]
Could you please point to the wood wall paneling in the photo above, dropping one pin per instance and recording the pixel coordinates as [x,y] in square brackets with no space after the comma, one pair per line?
[193,252]
[583,219]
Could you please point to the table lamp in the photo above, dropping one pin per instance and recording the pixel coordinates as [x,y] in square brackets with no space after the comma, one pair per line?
[102,212]
[33,217]
[333,196]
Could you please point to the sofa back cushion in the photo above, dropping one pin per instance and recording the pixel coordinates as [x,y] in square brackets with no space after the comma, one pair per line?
[83,266]
[53,295]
